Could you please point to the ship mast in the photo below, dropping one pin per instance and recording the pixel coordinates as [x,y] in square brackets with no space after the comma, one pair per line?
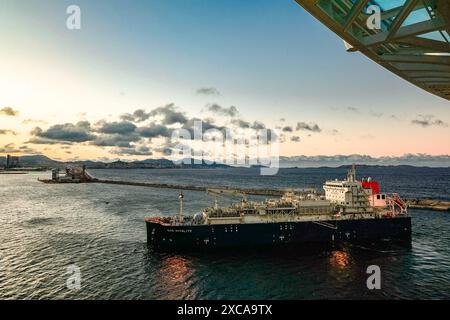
[351,175]
[181,214]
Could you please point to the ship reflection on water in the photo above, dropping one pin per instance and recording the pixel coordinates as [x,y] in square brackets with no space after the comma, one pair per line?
[175,277]
[176,270]
[339,259]
[331,271]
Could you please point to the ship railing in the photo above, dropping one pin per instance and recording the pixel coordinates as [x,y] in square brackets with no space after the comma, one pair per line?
[397,205]
[325,224]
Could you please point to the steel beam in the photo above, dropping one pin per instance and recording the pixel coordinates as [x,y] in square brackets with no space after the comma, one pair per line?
[401,49]
[354,13]
[404,32]
[401,17]
[436,46]
[427,59]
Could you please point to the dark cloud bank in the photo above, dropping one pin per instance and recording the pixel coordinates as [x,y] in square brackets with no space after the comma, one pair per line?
[127,135]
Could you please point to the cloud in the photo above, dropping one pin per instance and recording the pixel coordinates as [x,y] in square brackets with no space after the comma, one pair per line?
[353,109]
[115,140]
[154,130]
[208,91]
[68,132]
[170,147]
[334,132]
[206,124]
[28,150]
[428,120]
[33,121]
[9,111]
[123,127]
[170,114]
[375,114]
[287,129]
[137,116]
[313,127]
[134,151]
[240,123]
[35,140]
[268,137]
[9,148]
[130,134]
[12,148]
[219,110]
[258,125]
[295,139]
[165,151]
[4,132]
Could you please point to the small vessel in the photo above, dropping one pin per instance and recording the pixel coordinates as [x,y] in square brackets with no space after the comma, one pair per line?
[71,175]
[348,210]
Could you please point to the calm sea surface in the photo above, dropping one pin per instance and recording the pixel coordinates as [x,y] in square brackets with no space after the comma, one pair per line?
[100,229]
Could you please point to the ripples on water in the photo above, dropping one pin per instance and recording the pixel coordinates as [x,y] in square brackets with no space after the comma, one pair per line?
[100,228]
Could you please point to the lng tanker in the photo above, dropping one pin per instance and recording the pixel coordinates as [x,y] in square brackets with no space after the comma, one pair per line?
[349,210]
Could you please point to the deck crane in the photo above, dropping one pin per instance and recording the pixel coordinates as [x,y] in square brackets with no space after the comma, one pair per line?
[225,192]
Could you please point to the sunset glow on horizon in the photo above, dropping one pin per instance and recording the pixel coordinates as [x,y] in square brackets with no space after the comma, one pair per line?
[65,94]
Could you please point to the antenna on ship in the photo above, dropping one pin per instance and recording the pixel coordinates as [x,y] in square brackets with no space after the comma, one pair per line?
[351,175]
[181,196]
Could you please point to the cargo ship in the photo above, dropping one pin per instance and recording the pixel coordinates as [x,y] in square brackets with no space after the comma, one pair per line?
[348,210]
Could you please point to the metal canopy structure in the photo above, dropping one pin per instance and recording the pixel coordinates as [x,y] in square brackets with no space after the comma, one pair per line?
[412,41]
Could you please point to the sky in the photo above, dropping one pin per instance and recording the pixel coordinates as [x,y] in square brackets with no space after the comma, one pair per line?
[73,94]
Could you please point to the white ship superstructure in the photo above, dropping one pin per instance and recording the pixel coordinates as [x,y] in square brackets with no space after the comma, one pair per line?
[349,195]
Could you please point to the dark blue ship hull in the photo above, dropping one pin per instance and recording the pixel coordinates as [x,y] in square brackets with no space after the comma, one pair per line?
[283,233]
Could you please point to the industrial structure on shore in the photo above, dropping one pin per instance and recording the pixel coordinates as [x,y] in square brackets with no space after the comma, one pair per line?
[70,175]
[12,164]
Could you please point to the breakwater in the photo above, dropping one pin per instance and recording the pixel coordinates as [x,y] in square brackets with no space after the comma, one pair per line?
[251,191]
[429,204]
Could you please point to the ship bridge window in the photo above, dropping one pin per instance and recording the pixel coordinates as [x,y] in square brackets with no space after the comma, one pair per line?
[378,197]
[383,197]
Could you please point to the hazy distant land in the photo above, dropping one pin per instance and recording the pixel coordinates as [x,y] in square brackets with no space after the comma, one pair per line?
[284,162]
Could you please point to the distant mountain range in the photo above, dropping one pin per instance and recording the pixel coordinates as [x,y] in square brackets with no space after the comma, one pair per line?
[417,160]
[44,161]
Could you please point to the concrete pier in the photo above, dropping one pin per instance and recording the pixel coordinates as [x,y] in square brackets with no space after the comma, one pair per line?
[428,204]
[251,191]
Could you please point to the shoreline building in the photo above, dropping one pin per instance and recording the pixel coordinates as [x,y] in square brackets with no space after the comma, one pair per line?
[12,162]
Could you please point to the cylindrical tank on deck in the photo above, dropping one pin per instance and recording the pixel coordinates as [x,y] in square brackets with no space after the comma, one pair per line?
[199,217]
